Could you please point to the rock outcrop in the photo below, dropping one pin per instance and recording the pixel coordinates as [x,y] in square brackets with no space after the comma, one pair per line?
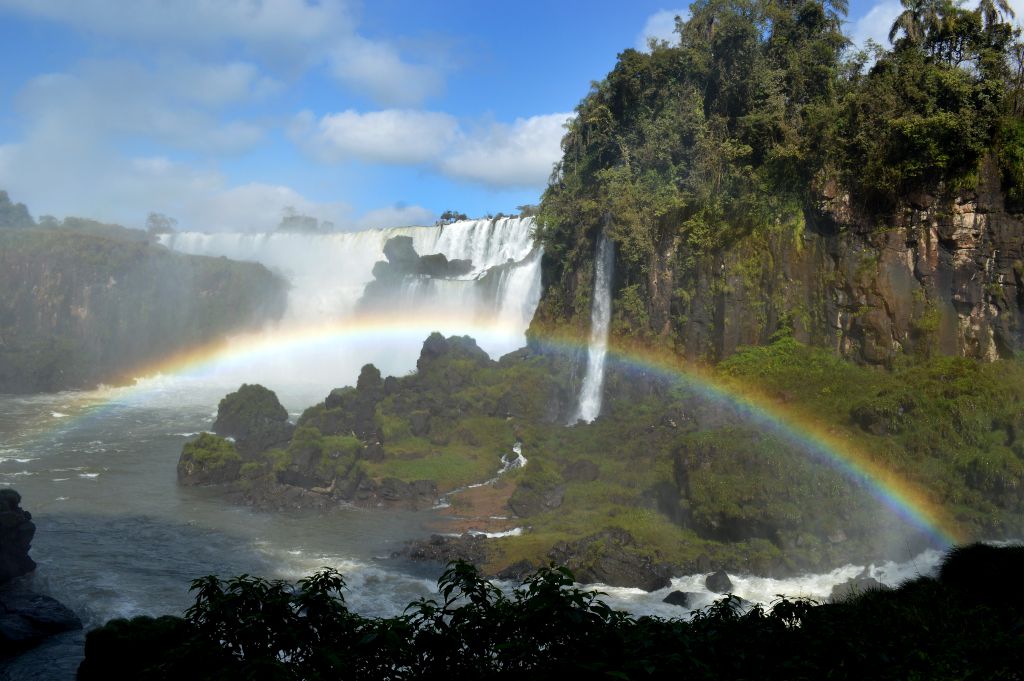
[943,274]
[16,533]
[79,309]
[404,263]
[27,618]
[718,582]
[208,460]
[607,557]
[254,417]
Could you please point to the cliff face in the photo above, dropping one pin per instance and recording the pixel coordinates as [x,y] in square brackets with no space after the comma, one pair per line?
[943,274]
[78,309]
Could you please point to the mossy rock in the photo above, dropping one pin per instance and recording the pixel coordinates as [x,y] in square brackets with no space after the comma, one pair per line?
[208,460]
[255,418]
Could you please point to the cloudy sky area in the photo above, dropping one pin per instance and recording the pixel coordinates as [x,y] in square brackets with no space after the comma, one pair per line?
[222,112]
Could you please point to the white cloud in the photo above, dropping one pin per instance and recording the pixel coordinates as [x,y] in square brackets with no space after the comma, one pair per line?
[395,216]
[299,32]
[391,136]
[175,104]
[661,26]
[518,155]
[279,25]
[377,69]
[875,24]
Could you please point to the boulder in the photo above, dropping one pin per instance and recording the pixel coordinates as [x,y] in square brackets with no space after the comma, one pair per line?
[611,557]
[718,582]
[684,599]
[444,549]
[438,348]
[16,532]
[854,587]
[254,417]
[400,252]
[435,265]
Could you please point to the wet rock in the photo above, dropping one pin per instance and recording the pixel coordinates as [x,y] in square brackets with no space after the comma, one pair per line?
[439,266]
[684,599]
[611,557]
[719,582]
[16,532]
[854,587]
[400,252]
[444,549]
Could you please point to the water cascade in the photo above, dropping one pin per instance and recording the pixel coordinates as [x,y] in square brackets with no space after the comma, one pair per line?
[600,316]
[493,301]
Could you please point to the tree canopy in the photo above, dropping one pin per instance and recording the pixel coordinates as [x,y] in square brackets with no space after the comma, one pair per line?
[759,103]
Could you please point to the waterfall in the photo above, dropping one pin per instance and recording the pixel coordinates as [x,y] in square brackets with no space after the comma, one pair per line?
[600,316]
[494,302]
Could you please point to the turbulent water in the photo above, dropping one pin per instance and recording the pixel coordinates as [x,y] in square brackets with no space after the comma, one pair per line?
[600,317]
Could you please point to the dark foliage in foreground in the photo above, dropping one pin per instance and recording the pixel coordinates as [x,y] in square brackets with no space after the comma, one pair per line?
[953,627]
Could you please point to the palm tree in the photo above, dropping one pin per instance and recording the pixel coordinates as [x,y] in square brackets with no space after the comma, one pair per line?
[918,19]
[992,11]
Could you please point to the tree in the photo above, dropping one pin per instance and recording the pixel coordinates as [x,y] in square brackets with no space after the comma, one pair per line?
[450,216]
[158,223]
[995,12]
[13,215]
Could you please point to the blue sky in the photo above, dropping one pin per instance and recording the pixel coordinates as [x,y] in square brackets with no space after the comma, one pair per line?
[221,113]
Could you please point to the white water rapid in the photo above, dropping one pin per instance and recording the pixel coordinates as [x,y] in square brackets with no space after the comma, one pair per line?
[328,273]
[589,406]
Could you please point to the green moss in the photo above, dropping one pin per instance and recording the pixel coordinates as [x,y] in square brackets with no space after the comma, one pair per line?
[211,452]
[449,467]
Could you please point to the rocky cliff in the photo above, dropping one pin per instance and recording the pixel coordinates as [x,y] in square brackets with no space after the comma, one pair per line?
[944,273]
[79,309]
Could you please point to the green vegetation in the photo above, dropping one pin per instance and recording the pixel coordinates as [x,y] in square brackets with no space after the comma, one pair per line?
[754,127]
[210,452]
[949,424]
[692,480]
[963,624]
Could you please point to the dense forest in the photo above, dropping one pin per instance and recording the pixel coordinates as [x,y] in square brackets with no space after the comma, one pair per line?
[754,173]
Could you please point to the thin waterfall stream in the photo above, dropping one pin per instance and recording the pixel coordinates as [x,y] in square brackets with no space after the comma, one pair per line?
[589,406]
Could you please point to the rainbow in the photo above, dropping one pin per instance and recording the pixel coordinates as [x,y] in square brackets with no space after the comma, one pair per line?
[836,449]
